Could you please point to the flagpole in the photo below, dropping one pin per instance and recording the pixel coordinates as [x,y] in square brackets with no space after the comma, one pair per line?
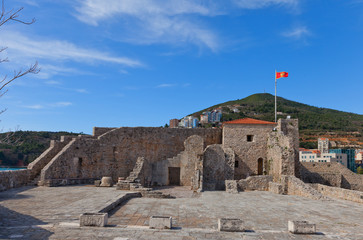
[275,98]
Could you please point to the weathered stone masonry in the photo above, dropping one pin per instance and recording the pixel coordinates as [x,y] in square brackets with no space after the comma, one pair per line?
[232,158]
[115,152]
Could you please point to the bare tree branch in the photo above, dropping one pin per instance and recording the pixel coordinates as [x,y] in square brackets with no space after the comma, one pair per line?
[11,137]
[12,15]
[18,74]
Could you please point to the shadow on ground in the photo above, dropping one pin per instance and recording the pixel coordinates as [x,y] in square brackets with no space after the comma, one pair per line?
[17,225]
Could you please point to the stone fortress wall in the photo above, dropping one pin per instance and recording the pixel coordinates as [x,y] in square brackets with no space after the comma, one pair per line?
[200,158]
[331,174]
[243,156]
[115,152]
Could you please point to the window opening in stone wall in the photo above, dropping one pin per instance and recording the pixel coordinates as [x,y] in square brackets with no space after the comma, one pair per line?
[249,138]
[260,166]
[236,164]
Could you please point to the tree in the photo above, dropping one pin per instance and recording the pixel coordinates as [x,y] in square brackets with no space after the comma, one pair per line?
[360,170]
[6,17]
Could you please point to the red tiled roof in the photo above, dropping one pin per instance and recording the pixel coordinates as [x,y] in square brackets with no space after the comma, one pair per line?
[315,151]
[248,121]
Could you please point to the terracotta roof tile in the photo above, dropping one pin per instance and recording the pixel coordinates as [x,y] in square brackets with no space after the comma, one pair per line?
[248,121]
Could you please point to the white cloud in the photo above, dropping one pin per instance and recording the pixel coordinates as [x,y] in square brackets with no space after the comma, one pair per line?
[21,46]
[49,105]
[297,33]
[154,21]
[37,106]
[165,85]
[93,11]
[174,22]
[53,82]
[61,104]
[256,4]
[81,90]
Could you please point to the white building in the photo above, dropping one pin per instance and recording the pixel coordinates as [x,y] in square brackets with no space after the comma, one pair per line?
[313,155]
[189,122]
[359,158]
[203,118]
[323,145]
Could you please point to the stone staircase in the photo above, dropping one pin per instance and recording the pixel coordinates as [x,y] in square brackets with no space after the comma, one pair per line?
[34,181]
[137,171]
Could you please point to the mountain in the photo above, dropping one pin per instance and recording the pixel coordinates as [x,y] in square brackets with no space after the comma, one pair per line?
[346,129]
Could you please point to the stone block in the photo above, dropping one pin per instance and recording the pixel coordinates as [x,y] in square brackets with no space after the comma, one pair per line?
[275,188]
[160,222]
[123,186]
[231,225]
[301,227]
[93,219]
[97,183]
[231,186]
[106,182]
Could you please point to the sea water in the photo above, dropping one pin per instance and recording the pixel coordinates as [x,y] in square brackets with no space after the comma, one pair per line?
[11,168]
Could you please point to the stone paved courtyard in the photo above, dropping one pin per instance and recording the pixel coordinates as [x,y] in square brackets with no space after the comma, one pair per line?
[53,213]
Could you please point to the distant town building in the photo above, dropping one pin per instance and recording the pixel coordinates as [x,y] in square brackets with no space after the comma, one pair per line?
[189,122]
[174,123]
[235,110]
[359,158]
[203,118]
[215,116]
[211,116]
[314,155]
[323,145]
[350,156]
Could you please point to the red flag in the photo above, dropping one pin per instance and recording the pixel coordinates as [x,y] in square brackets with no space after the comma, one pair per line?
[281,74]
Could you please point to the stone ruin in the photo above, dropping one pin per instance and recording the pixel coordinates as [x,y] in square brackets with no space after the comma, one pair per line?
[246,154]
[200,158]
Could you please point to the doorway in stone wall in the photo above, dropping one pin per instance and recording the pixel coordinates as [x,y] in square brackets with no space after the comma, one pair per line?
[259,166]
[174,176]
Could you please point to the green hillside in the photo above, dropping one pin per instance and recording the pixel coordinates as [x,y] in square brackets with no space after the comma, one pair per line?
[25,146]
[313,121]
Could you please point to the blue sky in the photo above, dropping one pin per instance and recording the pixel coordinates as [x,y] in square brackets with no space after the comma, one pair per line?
[142,62]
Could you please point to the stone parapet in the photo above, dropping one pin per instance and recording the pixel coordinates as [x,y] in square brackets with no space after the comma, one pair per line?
[340,193]
[231,186]
[13,179]
[332,174]
[98,131]
[276,188]
[294,186]
[259,183]
[64,182]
